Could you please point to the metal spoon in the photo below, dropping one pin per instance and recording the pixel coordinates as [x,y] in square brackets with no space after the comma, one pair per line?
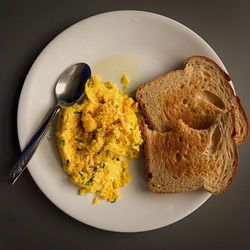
[70,89]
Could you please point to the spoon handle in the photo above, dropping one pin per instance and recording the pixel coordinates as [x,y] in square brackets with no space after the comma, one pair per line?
[29,150]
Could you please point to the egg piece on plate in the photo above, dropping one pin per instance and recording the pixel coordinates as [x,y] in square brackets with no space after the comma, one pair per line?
[97,138]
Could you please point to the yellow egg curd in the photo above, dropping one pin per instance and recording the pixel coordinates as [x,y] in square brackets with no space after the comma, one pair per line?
[97,138]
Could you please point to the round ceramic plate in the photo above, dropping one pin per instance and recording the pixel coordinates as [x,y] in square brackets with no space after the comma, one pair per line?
[142,45]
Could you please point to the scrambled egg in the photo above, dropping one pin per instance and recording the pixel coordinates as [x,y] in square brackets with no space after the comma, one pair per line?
[97,138]
[125,81]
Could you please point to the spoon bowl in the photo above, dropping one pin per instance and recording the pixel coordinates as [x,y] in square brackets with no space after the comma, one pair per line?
[71,84]
[69,89]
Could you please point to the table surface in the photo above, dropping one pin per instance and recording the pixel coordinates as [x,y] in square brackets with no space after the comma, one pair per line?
[28,220]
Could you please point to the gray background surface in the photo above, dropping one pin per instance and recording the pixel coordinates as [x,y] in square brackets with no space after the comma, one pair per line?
[28,220]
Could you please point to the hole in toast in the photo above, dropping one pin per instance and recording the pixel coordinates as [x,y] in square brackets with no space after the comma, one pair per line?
[180,139]
[241,130]
[212,98]
[150,176]
[182,86]
[234,132]
[185,101]
[178,157]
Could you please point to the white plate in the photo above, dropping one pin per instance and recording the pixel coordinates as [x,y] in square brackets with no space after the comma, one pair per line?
[141,44]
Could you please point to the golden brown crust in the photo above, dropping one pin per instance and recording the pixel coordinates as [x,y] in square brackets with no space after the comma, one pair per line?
[242,118]
[226,76]
[145,151]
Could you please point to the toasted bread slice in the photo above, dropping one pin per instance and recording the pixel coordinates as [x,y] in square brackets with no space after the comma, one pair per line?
[196,95]
[186,159]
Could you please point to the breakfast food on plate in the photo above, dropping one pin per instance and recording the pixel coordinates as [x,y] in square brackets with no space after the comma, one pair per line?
[125,81]
[97,137]
[193,124]
[191,158]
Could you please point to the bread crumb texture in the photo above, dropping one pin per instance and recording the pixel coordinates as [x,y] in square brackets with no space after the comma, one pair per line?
[193,123]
